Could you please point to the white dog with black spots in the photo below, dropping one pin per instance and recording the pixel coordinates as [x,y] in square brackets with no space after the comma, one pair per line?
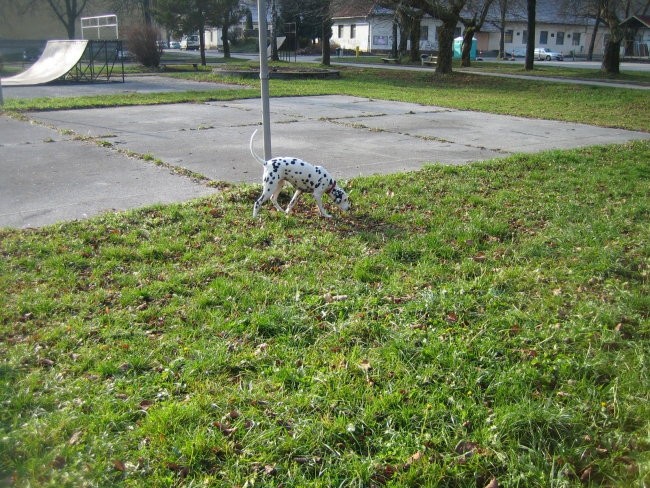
[304,177]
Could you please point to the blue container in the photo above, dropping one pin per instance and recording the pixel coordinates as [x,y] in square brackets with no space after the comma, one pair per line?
[458,48]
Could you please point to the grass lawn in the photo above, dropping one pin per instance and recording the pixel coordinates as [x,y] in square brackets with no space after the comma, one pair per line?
[462,326]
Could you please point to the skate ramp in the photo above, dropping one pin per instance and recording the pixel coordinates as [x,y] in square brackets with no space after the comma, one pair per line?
[57,59]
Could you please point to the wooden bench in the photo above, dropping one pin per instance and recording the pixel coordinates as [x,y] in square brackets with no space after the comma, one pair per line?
[391,60]
[429,60]
[163,66]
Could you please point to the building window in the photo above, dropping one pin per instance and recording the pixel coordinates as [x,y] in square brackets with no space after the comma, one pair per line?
[560,39]
[353,31]
[508,37]
[576,38]
[424,32]
[543,37]
[340,29]
[524,37]
[457,32]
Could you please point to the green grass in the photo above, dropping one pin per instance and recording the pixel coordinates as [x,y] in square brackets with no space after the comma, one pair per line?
[460,324]
[608,107]
[504,67]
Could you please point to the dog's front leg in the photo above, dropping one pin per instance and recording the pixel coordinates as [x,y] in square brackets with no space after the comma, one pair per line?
[319,202]
[294,200]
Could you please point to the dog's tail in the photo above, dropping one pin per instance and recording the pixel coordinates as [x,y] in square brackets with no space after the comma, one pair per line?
[252,151]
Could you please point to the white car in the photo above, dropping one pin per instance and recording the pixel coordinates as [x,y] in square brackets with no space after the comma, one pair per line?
[544,53]
[190,42]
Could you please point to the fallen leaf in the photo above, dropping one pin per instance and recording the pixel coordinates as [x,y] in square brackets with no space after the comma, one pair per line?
[585,476]
[225,429]
[365,365]
[329,298]
[145,404]
[492,484]
[466,447]
[58,462]
[480,257]
[75,438]
[451,317]
[383,474]
[181,470]
[119,465]
[413,459]
[45,363]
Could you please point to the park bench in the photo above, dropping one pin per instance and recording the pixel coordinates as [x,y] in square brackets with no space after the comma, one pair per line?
[163,66]
[390,60]
[429,60]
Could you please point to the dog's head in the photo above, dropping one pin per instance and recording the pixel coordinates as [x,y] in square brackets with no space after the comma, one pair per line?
[340,198]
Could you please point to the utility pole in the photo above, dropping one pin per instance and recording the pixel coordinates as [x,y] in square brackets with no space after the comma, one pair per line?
[264,77]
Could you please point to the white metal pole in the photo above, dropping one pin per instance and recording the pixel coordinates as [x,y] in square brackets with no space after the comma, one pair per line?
[264,77]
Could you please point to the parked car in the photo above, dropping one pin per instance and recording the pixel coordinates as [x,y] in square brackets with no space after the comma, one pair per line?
[544,53]
[190,42]
[174,45]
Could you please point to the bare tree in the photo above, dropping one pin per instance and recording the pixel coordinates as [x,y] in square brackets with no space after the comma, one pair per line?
[447,11]
[609,13]
[504,11]
[144,7]
[478,11]
[67,11]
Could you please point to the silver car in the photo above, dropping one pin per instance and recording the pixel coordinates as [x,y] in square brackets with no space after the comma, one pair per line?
[544,53]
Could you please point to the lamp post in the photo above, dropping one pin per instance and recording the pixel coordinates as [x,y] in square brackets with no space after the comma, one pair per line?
[264,78]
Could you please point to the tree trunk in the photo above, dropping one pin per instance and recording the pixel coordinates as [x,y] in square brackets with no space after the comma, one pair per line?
[468,36]
[393,48]
[403,38]
[415,39]
[326,36]
[612,58]
[592,41]
[274,33]
[530,45]
[224,40]
[502,33]
[202,44]
[146,12]
[445,47]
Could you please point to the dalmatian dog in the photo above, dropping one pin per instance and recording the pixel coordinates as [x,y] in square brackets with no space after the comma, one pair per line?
[304,177]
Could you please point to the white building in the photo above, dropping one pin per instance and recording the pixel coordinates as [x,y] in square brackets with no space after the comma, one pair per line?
[364,25]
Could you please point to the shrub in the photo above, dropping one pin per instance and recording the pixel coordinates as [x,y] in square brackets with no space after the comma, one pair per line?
[143,44]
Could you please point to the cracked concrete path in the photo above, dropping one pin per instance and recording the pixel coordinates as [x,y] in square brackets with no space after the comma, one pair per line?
[351,136]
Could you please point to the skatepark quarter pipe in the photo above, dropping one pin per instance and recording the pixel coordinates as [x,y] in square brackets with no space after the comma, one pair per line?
[58,58]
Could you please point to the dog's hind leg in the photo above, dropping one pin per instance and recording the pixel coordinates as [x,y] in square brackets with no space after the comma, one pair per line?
[276,194]
[294,200]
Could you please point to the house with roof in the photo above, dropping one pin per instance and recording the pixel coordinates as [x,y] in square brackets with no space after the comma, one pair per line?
[639,43]
[556,27]
[368,27]
[364,25]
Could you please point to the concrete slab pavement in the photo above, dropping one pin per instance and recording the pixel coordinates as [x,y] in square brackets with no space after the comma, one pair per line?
[48,178]
[66,179]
